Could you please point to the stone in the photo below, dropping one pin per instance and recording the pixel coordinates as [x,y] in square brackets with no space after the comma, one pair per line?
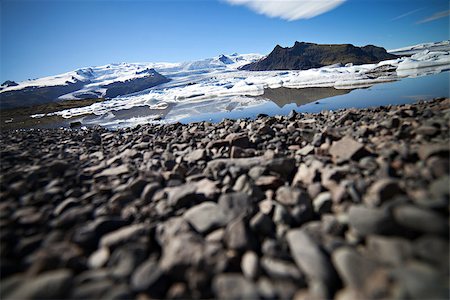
[278,269]
[205,217]
[196,155]
[236,236]
[353,268]
[348,149]
[238,140]
[250,265]
[98,258]
[323,203]
[262,224]
[170,229]
[149,190]
[391,251]
[233,286]
[53,284]
[291,196]
[420,219]
[235,205]
[432,249]
[148,277]
[114,171]
[123,235]
[310,258]
[382,191]
[92,290]
[182,196]
[124,260]
[429,150]
[66,204]
[269,182]
[369,220]
[308,149]
[91,232]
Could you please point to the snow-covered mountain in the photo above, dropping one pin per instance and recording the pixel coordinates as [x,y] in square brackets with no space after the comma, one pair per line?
[110,81]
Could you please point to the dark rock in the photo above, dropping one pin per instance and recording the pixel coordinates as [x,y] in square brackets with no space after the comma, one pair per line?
[234,286]
[281,270]
[235,205]
[420,219]
[309,257]
[205,217]
[381,191]
[262,224]
[123,235]
[392,251]
[291,196]
[369,220]
[50,285]
[348,149]
[236,235]
[148,277]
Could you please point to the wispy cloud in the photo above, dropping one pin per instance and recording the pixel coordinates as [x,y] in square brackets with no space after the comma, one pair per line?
[406,14]
[289,9]
[436,16]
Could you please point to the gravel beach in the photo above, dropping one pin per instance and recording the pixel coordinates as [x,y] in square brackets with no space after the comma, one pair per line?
[350,204]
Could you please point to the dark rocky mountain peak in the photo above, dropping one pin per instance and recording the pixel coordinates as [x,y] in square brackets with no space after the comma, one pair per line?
[303,56]
[8,83]
[225,59]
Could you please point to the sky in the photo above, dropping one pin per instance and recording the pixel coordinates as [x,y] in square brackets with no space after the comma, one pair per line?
[41,38]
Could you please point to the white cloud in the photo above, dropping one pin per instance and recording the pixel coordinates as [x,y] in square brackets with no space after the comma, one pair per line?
[289,9]
[436,16]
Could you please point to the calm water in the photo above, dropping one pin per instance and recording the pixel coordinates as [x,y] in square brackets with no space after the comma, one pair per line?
[407,90]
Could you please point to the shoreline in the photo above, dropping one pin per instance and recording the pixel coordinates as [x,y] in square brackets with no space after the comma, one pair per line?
[340,204]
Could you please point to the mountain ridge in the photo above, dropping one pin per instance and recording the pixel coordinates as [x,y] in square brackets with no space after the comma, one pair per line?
[304,56]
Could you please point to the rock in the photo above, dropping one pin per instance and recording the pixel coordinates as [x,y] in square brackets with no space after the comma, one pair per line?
[123,235]
[391,251]
[149,190]
[381,191]
[369,220]
[235,205]
[278,269]
[236,235]
[66,204]
[170,229]
[250,265]
[196,155]
[148,277]
[262,224]
[182,252]
[308,149]
[420,219]
[269,182]
[238,140]
[99,258]
[54,284]
[92,290]
[126,259]
[309,257]
[114,171]
[182,196]
[205,217]
[432,249]
[91,233]
[322,203]
[291,196]
[353,268]
[348,149]
[428,150]
[419,281]
[233,286]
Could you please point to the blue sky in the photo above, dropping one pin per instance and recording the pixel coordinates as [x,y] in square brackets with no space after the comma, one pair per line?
[40,38]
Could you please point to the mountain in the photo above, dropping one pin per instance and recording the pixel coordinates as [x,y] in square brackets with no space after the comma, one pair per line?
[114,80]
[100,82]
[303,56]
